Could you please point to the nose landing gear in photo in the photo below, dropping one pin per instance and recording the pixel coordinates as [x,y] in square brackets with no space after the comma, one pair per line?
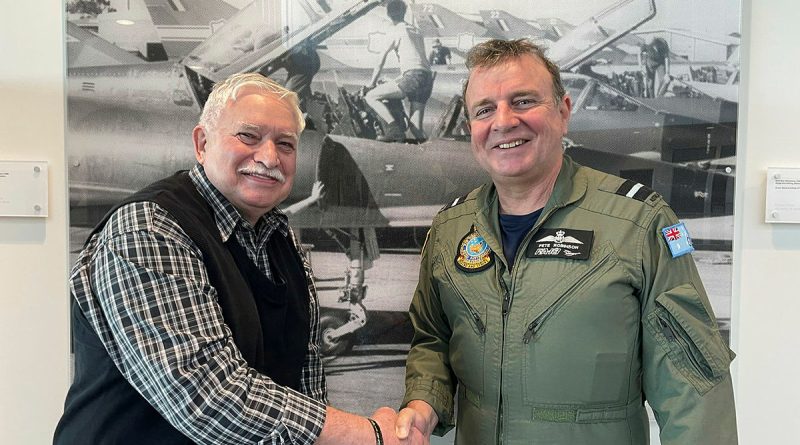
[336,332]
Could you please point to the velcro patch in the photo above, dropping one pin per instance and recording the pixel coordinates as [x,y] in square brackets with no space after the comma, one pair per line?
[634,190]
[561,243]
[678,239]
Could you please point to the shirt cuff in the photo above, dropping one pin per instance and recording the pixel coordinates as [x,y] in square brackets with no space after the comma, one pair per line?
[303,417]
[438,396]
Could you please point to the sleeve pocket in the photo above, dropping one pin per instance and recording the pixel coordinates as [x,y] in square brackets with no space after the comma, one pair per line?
[683,326]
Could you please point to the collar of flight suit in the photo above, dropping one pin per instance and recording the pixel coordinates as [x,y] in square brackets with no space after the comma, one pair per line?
[571,185]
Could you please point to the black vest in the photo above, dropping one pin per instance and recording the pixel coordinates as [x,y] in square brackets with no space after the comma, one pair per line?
[269,320]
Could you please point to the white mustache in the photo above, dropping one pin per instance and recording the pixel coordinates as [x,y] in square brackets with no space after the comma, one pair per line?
[260,170]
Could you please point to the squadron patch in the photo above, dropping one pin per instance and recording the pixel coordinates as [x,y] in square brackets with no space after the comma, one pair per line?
[678,240]
[473,255]
[561,243]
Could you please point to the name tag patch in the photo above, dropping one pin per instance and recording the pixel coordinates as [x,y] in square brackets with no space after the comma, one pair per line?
[561,243]
[474,254]
[678,240]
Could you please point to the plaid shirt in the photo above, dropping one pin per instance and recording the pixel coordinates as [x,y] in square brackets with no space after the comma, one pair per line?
[142,285]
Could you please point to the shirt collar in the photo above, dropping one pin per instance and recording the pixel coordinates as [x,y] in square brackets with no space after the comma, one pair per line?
[228,218]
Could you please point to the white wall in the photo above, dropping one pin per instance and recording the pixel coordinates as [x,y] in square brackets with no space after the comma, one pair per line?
[33,253]
[766,299]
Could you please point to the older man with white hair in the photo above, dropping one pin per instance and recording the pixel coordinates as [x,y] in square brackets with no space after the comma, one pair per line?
[195,319]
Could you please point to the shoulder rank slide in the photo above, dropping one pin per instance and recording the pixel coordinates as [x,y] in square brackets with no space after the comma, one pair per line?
[634,190]
[454,202]
[678,240]
[474,254]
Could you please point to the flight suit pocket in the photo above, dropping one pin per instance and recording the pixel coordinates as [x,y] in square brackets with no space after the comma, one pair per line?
[578,346]
[582,279]
[683,327]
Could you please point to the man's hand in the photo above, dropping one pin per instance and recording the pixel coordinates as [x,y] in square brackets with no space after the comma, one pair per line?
[387,419]
[416,418]
[317,191]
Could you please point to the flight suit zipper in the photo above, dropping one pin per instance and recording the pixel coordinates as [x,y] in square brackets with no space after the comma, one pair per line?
[506,308]
[532,328]
[698,363]
[534,325]
[476,317]
[506,298]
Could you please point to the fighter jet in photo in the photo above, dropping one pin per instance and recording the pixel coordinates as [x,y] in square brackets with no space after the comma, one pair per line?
[129,125]
[182,25]
[719,81]
[452,30]
[507,26]
[363,41]
[435,20]
[87,49]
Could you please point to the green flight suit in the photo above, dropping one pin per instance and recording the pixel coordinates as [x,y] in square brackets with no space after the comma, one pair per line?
[583,342]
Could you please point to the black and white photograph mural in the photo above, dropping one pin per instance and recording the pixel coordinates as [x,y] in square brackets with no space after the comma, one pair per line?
[654,87]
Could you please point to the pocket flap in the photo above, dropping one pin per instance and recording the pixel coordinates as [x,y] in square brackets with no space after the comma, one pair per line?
[691,336]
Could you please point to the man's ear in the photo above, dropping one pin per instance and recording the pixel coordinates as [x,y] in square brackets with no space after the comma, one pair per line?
[200,139]
[565,109]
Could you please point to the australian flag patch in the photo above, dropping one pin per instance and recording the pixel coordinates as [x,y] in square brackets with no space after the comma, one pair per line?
[678,240]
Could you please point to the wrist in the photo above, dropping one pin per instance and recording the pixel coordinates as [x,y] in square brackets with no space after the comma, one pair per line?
[377,429]
[427,412]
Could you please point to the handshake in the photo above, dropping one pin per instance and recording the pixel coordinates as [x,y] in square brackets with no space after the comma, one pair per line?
[412,425]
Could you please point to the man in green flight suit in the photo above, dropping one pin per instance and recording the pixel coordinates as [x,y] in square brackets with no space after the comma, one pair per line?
[553,302]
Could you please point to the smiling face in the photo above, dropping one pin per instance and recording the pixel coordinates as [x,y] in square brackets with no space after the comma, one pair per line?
[515,121]
[250,153]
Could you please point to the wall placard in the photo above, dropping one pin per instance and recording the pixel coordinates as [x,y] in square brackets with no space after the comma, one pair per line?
[783,195]
[23,188]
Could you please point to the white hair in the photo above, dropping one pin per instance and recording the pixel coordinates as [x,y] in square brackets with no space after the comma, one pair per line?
[229,88]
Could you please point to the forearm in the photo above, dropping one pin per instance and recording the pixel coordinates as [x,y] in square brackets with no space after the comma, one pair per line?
[171,375]
[165,332]
[299,205]
[342,428]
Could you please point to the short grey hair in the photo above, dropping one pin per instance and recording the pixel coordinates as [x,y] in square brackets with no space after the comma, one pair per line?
[495,52]
[230,87]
